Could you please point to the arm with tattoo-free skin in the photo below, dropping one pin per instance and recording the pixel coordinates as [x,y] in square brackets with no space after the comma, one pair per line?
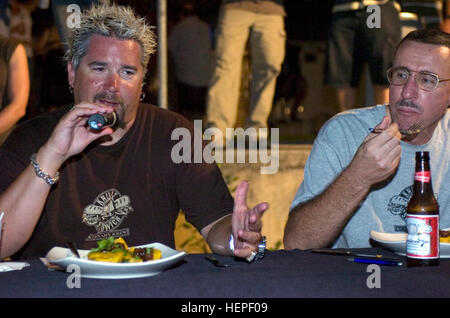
[24,200]
[18,90]
[320,221]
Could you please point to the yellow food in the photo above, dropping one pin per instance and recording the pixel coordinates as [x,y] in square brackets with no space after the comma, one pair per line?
[157,254]
[113,257]
[117,251]
[121,241]
[444,236]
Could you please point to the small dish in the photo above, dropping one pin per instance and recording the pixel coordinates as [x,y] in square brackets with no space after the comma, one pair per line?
[63,257]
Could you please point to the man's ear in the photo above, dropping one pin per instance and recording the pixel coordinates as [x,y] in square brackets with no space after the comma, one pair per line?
[70,74]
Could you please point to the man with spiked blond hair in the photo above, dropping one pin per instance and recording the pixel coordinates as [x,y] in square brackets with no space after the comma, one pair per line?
[63,180]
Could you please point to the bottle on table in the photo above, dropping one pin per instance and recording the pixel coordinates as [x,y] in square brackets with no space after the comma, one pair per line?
[422,217]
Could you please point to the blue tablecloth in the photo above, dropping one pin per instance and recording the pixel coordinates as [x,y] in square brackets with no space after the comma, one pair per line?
[281,274]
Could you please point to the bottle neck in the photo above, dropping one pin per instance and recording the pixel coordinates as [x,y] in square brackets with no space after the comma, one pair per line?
[422,187]
[423,199]
[422,178]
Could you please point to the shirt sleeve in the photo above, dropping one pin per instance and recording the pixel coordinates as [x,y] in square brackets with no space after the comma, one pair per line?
[202,192]
[333,150]
[322,167]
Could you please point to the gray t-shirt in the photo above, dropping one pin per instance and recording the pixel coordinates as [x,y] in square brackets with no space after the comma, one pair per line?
[384,208]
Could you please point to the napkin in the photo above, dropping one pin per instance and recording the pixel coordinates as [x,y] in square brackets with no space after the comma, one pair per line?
[12,266]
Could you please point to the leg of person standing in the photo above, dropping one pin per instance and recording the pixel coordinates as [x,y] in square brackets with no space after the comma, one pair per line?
[341,68]
[380,44]
[267,45]
[223,94]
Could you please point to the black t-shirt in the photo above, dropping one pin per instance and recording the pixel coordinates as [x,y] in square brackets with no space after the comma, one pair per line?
[131,189]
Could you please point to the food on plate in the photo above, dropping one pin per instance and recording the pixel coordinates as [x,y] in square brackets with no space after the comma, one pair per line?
[117,251]
[444,236]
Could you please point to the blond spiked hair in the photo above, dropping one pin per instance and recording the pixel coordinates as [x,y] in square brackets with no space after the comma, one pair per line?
[110,21]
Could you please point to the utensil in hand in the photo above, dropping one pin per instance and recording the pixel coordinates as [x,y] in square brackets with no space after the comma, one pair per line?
[411,130]
[73,248]
[215,261]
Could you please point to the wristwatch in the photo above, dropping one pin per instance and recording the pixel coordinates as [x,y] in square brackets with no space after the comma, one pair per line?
[261,251]
[255,255]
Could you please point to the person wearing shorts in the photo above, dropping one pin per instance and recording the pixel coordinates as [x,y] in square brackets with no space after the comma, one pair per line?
[356,38]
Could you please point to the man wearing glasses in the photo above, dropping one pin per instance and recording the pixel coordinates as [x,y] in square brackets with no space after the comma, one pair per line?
[359,175]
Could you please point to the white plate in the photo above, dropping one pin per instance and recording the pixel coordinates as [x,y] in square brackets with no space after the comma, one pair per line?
[93,269]
[397,243]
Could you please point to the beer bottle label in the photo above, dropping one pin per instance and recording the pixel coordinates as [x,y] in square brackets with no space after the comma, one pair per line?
[422,176]
[423,236]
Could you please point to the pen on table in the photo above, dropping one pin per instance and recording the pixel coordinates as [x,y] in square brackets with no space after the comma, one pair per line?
[375,261]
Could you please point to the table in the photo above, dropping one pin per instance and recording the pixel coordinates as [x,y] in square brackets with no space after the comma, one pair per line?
[281,274]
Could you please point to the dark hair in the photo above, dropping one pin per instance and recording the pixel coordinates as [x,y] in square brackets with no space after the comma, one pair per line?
[428,36]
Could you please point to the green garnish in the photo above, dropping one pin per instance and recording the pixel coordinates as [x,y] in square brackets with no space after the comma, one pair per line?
[106,245]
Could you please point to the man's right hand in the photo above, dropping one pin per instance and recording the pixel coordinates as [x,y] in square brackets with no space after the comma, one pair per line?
[379,155]
[71,135]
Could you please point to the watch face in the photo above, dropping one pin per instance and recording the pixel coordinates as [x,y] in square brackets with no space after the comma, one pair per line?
[262,244]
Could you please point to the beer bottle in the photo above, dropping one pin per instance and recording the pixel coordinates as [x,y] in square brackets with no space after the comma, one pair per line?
[422,217]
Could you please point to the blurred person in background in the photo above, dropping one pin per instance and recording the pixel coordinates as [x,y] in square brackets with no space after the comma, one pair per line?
[353,42]
[21,24]
[190,51]
[14,85]
[429,13]
[261,23]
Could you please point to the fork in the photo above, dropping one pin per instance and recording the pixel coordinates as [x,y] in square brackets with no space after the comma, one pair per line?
[73,248]
[215,261]
[411,130]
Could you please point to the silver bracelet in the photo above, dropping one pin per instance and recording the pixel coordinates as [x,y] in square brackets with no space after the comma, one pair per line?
[42,174]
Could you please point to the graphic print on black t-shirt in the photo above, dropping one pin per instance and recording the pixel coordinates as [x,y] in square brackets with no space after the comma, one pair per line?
[106,214]
[397,206]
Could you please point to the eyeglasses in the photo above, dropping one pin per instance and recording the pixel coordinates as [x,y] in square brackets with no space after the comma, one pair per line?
[425,80]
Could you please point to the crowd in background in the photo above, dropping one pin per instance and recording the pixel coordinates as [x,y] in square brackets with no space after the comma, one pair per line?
[33,24]
[35,27]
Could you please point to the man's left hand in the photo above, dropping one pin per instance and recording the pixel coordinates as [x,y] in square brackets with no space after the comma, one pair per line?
[246,223]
